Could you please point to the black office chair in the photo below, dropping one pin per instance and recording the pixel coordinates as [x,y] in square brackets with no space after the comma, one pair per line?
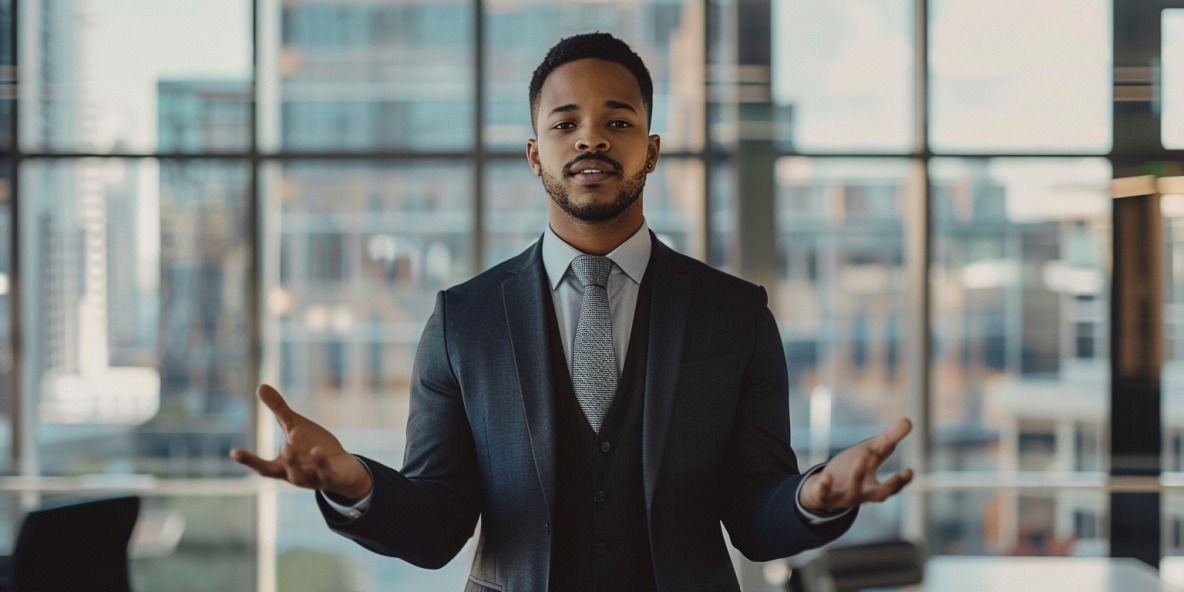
[880,564]
[73,546]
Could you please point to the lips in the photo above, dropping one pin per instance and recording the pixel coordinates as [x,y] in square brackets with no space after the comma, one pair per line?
[590,172]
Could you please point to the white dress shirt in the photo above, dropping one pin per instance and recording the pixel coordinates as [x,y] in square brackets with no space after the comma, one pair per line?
[630,259]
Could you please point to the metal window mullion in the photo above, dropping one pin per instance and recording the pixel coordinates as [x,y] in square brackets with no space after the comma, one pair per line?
[478,155]
[917,261]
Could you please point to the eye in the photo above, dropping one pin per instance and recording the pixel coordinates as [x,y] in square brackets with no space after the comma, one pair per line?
[620,123]
[563,125]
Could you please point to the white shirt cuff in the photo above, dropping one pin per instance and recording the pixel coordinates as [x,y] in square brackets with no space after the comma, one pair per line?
[355,510]
[811,517]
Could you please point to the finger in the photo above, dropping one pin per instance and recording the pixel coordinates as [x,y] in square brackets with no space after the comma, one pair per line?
[266,468]
[852,493]
[889,487]
[886,442]
[822,484]
[275,401]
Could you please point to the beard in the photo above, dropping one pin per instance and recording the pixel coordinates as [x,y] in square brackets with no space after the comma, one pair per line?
[629,192]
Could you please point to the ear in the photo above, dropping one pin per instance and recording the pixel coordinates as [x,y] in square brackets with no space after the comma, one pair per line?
[532,157]
[652,149]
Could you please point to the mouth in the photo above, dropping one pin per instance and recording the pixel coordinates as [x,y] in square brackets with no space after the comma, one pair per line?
[591,174]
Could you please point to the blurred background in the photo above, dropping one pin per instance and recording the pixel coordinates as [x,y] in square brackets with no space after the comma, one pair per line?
[201,196]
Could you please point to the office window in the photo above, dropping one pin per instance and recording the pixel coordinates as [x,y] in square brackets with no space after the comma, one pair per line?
[1021,76]
[136,75]
[667,34]
[371,76]
[135,295]
[843,75]
[838,301]
[1017,245]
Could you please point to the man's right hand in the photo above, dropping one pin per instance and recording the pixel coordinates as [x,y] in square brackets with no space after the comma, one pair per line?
[312,457]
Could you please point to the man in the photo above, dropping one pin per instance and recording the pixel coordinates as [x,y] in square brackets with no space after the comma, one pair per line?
[602,402]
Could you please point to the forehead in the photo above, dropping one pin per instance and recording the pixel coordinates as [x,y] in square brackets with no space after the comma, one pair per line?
[589,82]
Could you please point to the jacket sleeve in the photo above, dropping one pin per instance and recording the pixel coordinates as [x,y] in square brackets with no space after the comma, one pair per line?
[424,513]
[761,482]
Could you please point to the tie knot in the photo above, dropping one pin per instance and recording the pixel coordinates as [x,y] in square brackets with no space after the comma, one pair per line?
[592,270]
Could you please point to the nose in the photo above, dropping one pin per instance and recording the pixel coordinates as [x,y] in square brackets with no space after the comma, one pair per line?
[592,141]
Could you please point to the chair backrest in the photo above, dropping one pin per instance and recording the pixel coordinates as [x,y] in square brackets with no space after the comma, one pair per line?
[79,546]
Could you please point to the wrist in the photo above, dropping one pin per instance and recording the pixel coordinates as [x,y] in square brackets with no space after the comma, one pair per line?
[359,488]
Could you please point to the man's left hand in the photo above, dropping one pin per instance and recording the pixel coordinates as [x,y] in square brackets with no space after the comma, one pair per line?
[849,479]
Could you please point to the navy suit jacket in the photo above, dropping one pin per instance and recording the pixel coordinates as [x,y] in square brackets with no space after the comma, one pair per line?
[481,433]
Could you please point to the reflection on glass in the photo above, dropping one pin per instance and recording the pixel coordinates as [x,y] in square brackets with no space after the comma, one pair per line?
[375,74]
[1172,60]
[1012,522]
[363,249]
[103,76]
[135,284]
[667,34]
[842,75]
[517,207]
[1019,75]
[839,303]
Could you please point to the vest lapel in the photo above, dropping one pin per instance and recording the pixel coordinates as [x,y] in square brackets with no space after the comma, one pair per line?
[670,302]
[530,340]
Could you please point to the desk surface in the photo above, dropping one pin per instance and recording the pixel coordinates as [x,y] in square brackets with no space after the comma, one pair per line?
[1008,574]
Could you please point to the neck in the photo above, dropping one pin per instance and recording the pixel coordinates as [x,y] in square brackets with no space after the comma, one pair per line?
[595,238]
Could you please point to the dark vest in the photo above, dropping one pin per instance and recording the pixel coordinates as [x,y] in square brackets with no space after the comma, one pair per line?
[601,542]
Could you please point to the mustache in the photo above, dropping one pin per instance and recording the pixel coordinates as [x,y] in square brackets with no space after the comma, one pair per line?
[588,158]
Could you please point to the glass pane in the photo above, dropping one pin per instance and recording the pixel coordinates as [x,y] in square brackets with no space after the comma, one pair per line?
[1020,351]
[7,73]
[195,543]
[839,303]
[1019,75]
[843,75]
[311,557]
[516,207]
[1172,54]
[136,75]
[134,279]
[373,75]
[363,249]
[1172,206]
[722,211]
[667,34]
[1001,521]
[6,354]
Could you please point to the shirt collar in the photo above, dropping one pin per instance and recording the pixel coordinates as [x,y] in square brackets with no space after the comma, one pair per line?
[632,256]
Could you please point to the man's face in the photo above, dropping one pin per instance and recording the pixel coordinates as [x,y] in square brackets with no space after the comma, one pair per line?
[592,148]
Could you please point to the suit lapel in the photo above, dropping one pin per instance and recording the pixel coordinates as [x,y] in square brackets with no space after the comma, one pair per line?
[523,295]
[669,304]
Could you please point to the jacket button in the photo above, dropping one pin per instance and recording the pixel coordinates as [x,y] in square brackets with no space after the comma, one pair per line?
[598,497]
[600,548]
[605,447]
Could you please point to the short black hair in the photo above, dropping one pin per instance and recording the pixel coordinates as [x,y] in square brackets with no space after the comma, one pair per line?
[601,46]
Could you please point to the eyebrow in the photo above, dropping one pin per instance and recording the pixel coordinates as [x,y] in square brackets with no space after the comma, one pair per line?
[611,104]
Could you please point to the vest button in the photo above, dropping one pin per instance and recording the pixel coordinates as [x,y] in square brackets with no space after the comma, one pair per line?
[598,497]
[605,447]
[600,548]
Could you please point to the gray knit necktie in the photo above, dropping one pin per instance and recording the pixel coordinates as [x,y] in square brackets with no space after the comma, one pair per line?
[594,362]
